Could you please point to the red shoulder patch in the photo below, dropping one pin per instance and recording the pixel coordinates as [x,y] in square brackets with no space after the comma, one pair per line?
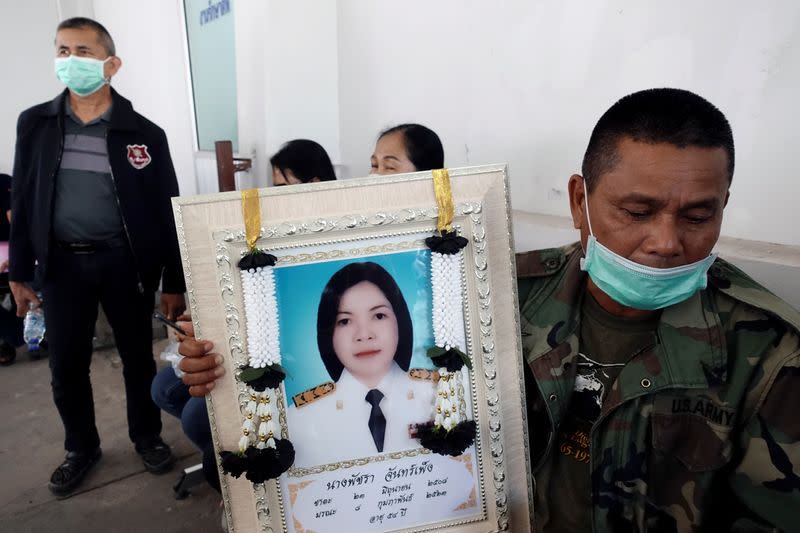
[138,156]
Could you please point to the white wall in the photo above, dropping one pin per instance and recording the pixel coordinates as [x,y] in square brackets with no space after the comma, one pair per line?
[514,81]
[524,82]
[153,76]
[302,74]
[26,38]
[288,78]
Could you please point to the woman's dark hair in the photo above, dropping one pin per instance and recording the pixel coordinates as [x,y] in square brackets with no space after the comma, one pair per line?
[306,159]
[347,277]
[423,147]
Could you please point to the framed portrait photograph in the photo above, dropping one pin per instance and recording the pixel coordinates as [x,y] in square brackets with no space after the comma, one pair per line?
[373,370]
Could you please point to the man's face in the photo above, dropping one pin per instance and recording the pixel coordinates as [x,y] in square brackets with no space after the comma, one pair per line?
[85,42]
[660,206]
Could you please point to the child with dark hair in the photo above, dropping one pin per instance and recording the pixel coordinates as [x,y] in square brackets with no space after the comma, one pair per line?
[407,148]
[365,340]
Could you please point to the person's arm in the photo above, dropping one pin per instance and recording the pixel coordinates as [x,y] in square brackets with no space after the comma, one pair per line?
[766,478]
[173,286]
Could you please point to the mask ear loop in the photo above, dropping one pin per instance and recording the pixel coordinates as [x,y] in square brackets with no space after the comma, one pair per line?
[106,60]
[586,204]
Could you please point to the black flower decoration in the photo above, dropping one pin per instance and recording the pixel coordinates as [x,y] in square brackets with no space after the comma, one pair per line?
[262,378]
[257,259]
[453,442]
[259,465]
[449,243]
[270,463]
[233,463]
[452,359]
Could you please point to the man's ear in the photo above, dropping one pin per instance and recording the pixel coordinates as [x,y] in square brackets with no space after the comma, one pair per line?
[577,199]
[112,67]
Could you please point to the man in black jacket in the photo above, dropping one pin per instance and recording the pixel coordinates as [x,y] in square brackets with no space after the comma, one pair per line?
[91,193]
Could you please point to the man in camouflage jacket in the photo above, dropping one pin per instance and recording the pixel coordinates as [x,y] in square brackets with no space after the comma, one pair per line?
[702,421]
[699,431]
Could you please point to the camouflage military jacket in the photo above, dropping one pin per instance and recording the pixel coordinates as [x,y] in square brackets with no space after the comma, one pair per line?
[699,433]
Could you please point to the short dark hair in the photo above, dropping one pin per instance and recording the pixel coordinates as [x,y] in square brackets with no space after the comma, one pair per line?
[79,23]
[306,159]
[672,116]
[423,147]
[343,279]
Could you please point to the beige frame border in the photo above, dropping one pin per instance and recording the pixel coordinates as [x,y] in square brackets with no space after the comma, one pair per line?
[294,215]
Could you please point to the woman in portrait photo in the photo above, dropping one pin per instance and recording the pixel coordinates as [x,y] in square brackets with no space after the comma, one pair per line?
[373,401]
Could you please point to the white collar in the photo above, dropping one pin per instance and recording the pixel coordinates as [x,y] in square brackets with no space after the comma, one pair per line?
[356,390]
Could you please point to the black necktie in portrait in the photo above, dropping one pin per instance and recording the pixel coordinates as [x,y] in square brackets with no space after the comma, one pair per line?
[377,422]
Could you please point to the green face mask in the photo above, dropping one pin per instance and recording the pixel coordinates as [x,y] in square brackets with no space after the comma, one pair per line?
[83,75]
[641,286]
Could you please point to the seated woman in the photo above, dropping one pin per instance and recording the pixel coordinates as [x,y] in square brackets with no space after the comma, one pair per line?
[365,337]
[301,161]
[407,148]
[298,161]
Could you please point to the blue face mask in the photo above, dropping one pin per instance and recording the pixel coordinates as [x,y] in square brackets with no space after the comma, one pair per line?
[639,286]
[83,75]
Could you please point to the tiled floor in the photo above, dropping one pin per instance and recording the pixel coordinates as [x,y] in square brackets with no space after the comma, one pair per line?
[118,495]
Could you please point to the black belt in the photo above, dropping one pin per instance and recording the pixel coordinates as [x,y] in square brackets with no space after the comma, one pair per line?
[90,247]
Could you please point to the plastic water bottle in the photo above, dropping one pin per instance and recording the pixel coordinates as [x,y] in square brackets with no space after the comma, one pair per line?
[33,328]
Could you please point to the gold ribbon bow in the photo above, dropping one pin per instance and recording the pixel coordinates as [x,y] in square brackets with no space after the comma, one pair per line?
[444,199]
[251,210]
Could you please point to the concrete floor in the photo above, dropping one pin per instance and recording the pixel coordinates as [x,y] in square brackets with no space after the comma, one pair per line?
[118,495]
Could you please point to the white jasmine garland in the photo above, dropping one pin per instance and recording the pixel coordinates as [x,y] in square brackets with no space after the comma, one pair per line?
[261,312]
[248,424]
[448,322]
[448,333]
[259,427]
[267,417]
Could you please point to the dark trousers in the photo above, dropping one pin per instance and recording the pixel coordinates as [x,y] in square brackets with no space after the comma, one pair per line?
[72,289]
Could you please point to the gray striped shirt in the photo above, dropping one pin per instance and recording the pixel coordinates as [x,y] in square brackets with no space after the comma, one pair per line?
[85,202]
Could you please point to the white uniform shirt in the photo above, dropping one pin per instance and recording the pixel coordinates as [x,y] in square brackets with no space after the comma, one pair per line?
[335,427]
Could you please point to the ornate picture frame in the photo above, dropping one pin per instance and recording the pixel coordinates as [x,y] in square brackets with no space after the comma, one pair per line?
[346,475]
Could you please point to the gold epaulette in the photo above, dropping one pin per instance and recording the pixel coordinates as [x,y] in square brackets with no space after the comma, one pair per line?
[313,394]
[424,374]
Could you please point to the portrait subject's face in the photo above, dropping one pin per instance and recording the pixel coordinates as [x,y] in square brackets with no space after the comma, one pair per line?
[365,334]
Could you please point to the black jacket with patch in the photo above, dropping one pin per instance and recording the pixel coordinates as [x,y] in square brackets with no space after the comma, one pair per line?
[143,193]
